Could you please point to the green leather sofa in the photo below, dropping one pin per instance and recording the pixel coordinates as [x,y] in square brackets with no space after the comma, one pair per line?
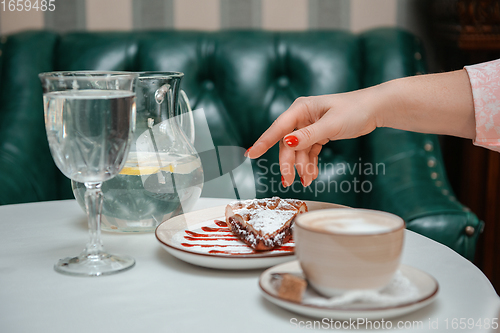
[243,80]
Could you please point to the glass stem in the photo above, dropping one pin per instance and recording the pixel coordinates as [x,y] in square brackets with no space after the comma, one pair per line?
[93,203]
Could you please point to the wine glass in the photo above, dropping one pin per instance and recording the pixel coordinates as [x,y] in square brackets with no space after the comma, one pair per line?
[90,120]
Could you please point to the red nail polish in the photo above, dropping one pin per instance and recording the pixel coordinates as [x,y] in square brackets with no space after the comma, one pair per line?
[302,181]
[283,181]
[246,153]
[292,141]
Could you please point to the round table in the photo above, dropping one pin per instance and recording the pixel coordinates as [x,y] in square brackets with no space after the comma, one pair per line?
[164,294]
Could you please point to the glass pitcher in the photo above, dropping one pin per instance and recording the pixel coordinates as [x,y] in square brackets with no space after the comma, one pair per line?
[163,175]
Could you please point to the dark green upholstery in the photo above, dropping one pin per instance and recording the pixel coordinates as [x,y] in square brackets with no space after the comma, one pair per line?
[243,80]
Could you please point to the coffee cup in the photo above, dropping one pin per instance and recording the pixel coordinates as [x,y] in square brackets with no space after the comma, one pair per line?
[344,249]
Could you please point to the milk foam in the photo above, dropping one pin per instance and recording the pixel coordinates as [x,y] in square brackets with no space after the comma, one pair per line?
[351,226]
[354,223]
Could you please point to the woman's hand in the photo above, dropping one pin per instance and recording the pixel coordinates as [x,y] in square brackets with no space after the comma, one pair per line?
[436,103]
[309,123]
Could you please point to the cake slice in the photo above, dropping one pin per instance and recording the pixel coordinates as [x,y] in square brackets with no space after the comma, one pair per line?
[263,224]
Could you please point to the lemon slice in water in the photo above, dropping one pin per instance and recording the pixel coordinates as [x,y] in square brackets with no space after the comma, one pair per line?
[145,170]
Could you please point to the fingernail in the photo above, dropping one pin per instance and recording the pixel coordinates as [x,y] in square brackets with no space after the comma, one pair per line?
[246,153]
[292,141]
[302,181]
[283,181]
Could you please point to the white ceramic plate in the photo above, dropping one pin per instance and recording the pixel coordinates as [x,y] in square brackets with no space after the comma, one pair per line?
[428,289]
[201,238]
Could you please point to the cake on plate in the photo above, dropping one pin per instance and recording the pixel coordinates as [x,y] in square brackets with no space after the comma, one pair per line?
[263,224]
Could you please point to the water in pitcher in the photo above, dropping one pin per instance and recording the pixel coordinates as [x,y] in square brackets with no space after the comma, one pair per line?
[151,188]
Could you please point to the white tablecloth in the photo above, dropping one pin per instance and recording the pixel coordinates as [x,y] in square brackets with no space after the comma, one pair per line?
[164,294]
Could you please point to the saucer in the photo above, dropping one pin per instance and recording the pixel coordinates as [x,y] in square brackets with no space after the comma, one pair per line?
[202,238]
[427,291]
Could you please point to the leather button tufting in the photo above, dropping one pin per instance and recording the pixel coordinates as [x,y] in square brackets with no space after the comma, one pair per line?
[208,85]
[469,230]
[283,81]
[326,153]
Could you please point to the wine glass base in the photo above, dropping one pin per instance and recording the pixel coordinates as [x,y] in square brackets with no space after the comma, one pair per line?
[94,265]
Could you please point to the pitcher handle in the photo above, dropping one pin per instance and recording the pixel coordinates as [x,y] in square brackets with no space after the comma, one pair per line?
[185,116]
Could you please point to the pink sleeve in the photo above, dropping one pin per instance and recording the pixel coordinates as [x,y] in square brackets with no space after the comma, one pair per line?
[485,83]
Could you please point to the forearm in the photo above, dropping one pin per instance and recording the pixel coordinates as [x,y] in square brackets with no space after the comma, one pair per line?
[437,103]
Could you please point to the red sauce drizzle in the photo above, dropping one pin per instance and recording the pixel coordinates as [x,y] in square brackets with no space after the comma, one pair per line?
[195,234]
[210,229]
[210,245]
[230,252]
[220,223]
[210,238]
[225,234]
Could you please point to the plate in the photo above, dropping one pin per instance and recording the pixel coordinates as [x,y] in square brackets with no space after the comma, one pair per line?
[202,238]
[427,287]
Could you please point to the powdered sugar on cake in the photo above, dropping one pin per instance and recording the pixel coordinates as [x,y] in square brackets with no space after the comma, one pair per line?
[263,224]
[264,215]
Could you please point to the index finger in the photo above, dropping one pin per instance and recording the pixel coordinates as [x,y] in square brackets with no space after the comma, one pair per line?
[283,125]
